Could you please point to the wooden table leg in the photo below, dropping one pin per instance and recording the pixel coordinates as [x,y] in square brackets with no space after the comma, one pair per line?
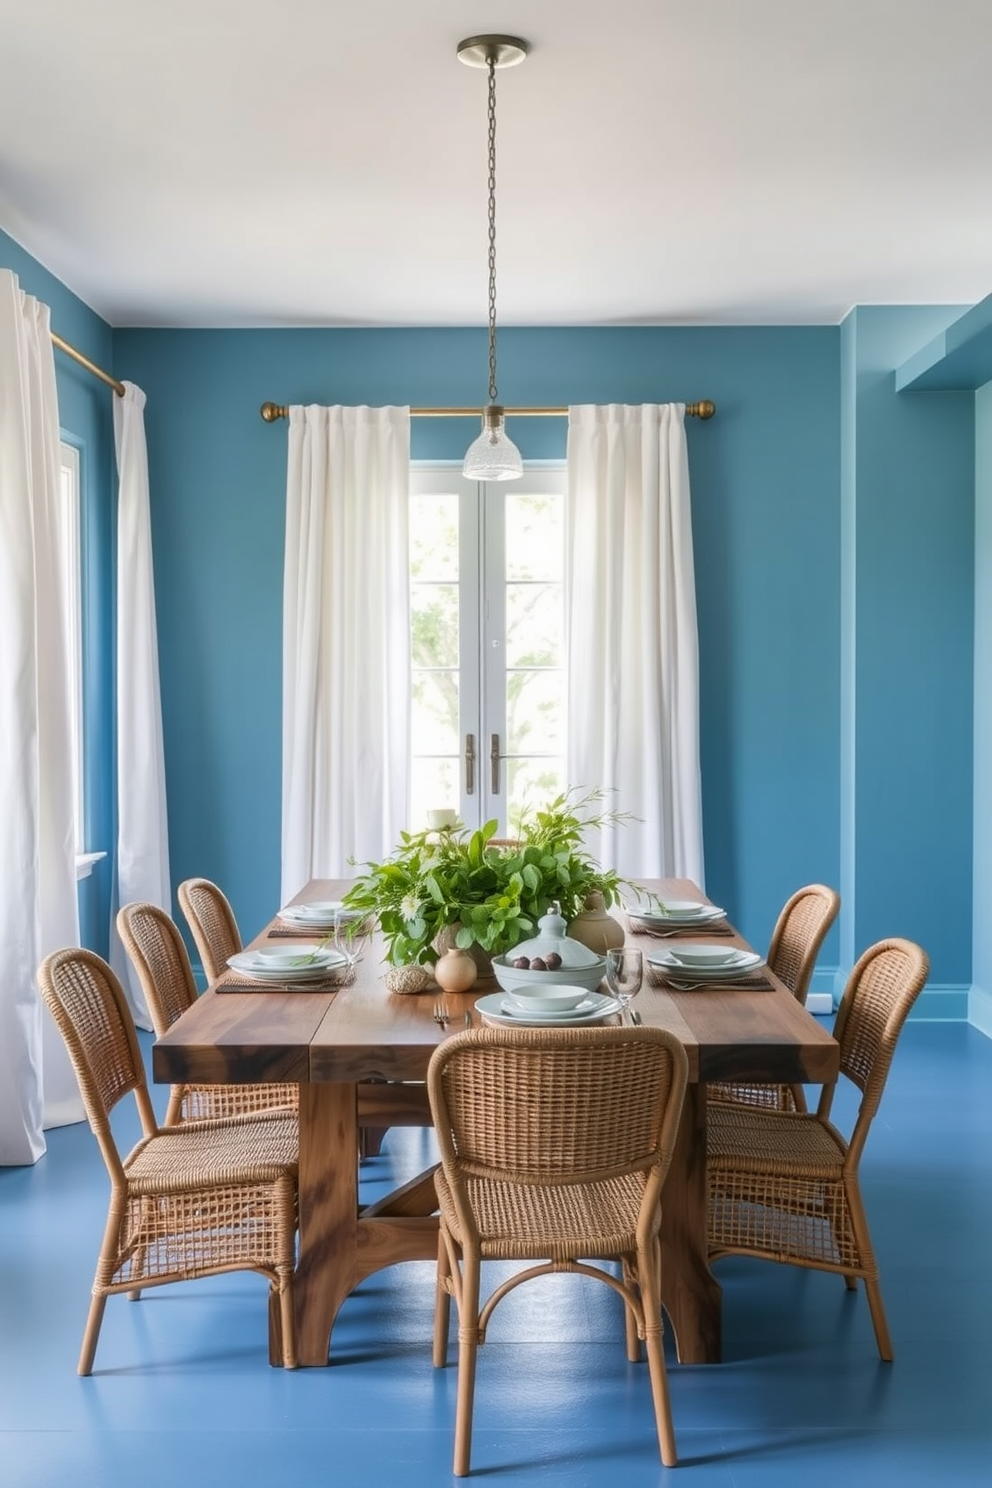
[690,1293]
[328,1262]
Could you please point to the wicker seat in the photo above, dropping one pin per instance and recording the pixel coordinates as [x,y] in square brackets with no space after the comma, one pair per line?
[799,933]
[554,1146]
[189,1200]
[159,956]
[784,1184]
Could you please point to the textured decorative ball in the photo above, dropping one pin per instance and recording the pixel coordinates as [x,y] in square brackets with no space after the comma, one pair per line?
[408,979]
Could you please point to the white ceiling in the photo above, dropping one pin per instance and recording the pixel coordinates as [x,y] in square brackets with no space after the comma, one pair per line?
[239,162]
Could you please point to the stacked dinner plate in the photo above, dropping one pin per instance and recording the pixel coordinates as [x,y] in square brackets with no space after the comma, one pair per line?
[319,915]
[542,1009]
[699,961]
[287,965]
[675,914]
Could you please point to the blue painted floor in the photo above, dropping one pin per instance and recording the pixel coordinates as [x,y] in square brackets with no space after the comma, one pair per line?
[182,1392]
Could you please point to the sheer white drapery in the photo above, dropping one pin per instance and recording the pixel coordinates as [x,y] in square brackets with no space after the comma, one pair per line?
[142,859]
[38,911]
[346,644]
[633,671]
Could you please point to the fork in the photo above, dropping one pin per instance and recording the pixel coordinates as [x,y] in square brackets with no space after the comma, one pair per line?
[441,1013]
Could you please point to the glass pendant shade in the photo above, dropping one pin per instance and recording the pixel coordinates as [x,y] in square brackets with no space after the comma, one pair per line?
[493,456]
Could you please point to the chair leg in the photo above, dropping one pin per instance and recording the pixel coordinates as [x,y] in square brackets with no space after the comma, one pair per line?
[630,1321]
[862,1239]
[649,1270]
[442,1304]
[874,1294]
[287,1312]
[468,1345]
[92,1333]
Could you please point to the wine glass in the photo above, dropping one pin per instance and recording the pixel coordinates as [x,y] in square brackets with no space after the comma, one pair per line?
[624,974]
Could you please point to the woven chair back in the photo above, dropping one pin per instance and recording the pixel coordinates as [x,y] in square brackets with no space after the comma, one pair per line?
[87,1002]
[156,949]
[211,922]
[880,992]
[556,1106]
[799,933]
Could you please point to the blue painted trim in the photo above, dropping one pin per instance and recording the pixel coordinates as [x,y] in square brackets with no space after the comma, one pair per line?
[959,358]
[980,1010]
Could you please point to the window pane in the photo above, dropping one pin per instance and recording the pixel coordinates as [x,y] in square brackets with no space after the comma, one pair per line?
[434,715]
[434,538]
[433,787]
[533,625]
[434,625]
[534,537]
[69,554]
[535,712]
[532,783]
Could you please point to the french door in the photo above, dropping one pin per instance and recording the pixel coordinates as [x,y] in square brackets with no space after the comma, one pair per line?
[487,642]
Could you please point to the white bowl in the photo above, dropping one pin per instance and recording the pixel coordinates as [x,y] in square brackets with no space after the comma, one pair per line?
[542,997]
[511,977]
[705,955]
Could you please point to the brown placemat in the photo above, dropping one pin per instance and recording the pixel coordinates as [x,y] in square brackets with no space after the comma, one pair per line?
[326,984]
[299,934]
[658,978]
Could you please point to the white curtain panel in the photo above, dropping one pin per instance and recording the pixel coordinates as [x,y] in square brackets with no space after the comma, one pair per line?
[142,859]
[633,672]
[38,911]
[346,646]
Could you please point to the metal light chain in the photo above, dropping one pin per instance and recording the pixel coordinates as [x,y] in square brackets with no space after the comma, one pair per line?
[493,397]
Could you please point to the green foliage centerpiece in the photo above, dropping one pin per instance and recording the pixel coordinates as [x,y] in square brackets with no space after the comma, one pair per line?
[494,893]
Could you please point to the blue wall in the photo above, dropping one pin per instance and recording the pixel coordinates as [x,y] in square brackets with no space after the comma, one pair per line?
[765,478]
[86,412]
[834,536]
[908,530]
[981,996]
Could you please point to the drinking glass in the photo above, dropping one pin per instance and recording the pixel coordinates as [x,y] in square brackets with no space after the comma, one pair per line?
[624,974]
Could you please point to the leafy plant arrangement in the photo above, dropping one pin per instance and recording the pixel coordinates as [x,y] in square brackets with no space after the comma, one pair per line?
[494,894]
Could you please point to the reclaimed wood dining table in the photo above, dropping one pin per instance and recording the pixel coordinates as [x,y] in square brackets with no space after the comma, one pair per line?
[360,1055]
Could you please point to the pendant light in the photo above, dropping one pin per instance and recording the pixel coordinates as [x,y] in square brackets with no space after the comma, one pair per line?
[493,456]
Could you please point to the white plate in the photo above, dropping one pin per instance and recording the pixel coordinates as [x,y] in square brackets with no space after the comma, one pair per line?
[320,913]
[671,916]
[675,970]
[310,966]
[492,1010]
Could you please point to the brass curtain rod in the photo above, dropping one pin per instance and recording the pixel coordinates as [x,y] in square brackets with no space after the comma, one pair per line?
[84,361]
[703,410]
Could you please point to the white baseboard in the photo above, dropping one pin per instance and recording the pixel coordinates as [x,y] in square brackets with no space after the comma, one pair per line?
[819,1002]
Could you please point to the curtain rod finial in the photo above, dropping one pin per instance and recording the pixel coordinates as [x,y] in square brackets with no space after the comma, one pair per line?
[272,411]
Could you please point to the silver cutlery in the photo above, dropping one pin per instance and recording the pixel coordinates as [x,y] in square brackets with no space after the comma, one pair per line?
[441,1014]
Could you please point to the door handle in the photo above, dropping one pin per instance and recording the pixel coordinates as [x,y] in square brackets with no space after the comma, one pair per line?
[470,764]
[494,762]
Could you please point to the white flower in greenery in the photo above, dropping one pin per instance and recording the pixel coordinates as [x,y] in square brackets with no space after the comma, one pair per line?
[409,906]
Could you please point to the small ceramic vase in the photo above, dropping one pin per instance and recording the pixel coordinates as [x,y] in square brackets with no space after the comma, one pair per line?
[595,928]
[455,971]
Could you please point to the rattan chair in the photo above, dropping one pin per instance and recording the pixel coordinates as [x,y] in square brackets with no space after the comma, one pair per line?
[800,931]
[554,1146]
[159,956]
[212,924]
[784,1184]
[189,1200]
[215,931]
